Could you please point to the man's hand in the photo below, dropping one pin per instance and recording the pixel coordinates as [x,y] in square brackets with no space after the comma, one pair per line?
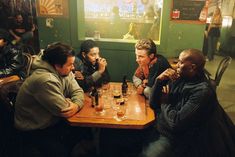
[70,110]
[17,38]
[78,75]
[102,64]
[140,89]
[165,94]
[145,82]
[168,74]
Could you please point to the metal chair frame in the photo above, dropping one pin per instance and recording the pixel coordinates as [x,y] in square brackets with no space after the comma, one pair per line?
[28,59]
[223,65]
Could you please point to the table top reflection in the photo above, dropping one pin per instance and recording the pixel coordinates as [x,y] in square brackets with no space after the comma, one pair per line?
[138,114]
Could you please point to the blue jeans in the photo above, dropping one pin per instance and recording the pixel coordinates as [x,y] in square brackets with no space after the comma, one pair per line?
[212,44]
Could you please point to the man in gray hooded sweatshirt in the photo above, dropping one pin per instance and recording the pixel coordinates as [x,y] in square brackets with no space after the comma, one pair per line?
[47,96]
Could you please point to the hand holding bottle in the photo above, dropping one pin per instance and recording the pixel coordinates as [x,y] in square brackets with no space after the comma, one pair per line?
[102,64]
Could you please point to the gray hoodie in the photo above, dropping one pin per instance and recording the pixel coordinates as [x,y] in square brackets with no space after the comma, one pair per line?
[42,97]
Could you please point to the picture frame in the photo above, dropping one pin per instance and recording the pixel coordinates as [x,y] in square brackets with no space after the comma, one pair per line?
[52,8]
[190,11]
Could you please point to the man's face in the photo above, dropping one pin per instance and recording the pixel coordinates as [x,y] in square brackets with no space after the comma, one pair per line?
[185,67]
[93,55]
[142,57]
[67,67]
[2,43]
[19,19]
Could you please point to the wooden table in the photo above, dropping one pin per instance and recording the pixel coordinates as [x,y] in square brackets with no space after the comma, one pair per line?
[139,114]
[9,79]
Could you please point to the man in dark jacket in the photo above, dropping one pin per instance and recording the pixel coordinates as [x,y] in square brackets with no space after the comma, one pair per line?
[21,30]
[90,68]
[190,120]
[150,66]
[11,60]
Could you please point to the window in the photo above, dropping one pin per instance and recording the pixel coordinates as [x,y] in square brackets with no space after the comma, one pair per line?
[123,20]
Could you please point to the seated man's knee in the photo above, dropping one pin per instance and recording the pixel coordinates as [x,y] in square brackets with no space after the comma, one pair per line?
[159,148]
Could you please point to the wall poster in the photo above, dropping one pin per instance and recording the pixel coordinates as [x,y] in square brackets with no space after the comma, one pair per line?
[52,7]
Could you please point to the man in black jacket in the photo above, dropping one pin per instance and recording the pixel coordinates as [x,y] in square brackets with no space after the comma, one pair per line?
[150,66]
[11,60]
[190,120]
[90,68]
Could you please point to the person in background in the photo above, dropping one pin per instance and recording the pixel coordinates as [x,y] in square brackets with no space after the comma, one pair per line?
[132,33]
[48,96]
[116,23]
[21,30]
[11,59]
[90,69]
[150,66]
[191,121]
[213,33]
[11,70]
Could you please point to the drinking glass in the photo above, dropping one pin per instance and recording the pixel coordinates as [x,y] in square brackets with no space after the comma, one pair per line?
[99,109]
[131,88]
[120,113]
[105,87]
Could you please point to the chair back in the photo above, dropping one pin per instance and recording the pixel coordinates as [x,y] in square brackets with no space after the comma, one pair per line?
[28,59]
[8,93]
[26,48]
[221,69]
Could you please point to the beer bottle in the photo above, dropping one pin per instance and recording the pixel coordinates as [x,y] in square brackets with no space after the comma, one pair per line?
[124,86]
[94,97]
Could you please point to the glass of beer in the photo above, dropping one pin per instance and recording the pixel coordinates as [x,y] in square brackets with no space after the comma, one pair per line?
[120,113]
[99,109]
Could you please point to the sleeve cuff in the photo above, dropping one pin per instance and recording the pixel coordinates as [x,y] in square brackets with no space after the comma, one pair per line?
[137,81]
[147,92]
[96,75]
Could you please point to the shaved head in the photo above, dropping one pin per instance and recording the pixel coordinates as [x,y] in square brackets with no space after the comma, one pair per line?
[195,57]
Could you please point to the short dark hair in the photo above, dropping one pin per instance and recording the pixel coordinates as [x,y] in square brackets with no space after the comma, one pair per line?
[57,53]
[87,45]
[146,44]
[17,14]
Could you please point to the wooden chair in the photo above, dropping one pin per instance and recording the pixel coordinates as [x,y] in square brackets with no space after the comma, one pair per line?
[9,87]
[28,60]
[26,48]
[8,136]
[220,71]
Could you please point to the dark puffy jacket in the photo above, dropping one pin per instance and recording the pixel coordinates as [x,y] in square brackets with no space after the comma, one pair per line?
[87,70]
[11,61]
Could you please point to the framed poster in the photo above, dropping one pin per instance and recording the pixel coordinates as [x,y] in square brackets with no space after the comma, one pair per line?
[52,8]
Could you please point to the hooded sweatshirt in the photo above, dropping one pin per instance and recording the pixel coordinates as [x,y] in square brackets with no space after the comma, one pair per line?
[43,95]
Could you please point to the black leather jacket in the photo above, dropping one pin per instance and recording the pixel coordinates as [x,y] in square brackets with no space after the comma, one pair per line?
[11,61]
